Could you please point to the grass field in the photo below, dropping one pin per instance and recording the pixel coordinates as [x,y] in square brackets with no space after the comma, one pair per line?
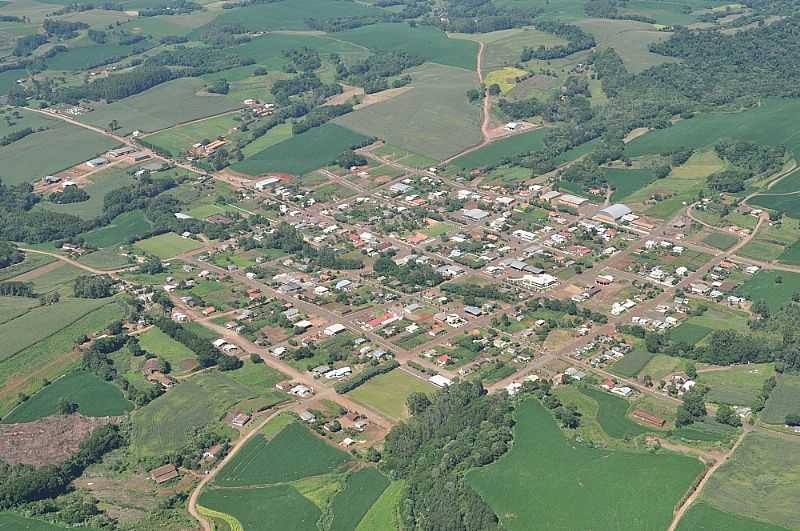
[428,42]
[177,140]
[703,517]
[168,245]
[292,14]
[387,393]
[258,376]
[661,365]
[121,228]
[66,145]
[15,522]
[737,386]
[791,255]
[503,48]
[707,430]
[267,51]
[60,278]
[102,183]
[612,414]
[633,362]
[433,119]
[85,57]
[760,481]
[50,357]
[500,150]
[786,203]
[13,307]
[32,261]
[362,489]
[95,398]
[559,485]
[276,135]
[784,400]
[293,453]
[720,240]
[689,333]
[763,285]
[104,259]
[293,156]
[383,515]
[788,184]
[162,106]
[180,358]
[505,78]
[630,39]
[625,182]
[251,508]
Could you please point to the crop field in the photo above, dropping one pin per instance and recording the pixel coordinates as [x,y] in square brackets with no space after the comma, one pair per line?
[257,376]
[503,48]
[500,150]
[292,14]
[565,9]
[66,145]
[789,204]
[633,362]
[59,278]
[362,489]
[433,119]
[39,323]
[791,255]
[760,481]
[703,517]
[95,398]
[505,78]
[104,259]
[177,140]
[625,182]
[559,485]
[51,357]
[737,385]
[720,240]
[32,261]
[15,522]
[689,333]
[387,393]
[267,51]
[251,508]
[784,400]
[383,515]
[13,307]
[85,57]
[102,183]
[613,414]
[196,402]
[788,184]
[661,365]
[9,78]
[715,317]
[427,42]
[763,285]
[276,135]
[121,228]
[180,358]
[294,453]
[293,156]
[630,39]
[168,245]
[707,430]
[163,106]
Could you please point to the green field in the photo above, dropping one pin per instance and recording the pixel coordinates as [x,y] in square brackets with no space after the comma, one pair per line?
[784,400]
[362,489]
[789,183]
[428,42]
[788,204]
[168,245]
[95,398]
[760,481]
[276,135]
[763,286]
[294,453]
[703,517]
[433,119]
[387,393]
[267,51]
[177,140]
[258,376]
[791,255]
[612,414]
[293,156]
[721,240]
[179,357]
[633,362]
[625,182]
[32,261]
[707,430]
[13,307]
[252,508]
[121,229]
[689,333]
[498,151]
[105,259]
[630,39]
[737,385]
[561,485]
[292,14]
[85,57]
[65,145]
[383,515]
[15,522]
[503,48]
[163,106]
[103,182]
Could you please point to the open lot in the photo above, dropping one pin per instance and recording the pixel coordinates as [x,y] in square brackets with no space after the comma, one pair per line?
[559,485]
[737,385]
[168,245]
[387,393]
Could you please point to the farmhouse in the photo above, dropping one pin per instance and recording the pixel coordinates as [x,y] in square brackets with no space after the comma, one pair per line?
[440,381]
[164,473]
[96,163]
[646,417]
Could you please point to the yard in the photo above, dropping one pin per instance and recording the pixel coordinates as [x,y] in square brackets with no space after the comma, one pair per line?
[387,393]
[168,245]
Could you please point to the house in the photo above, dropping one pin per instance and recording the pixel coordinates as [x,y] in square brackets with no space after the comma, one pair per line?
[334,329]
[647,418]
[623,391]
[301,391]
[575,374]
[50,179]
[307,416]
[240,420]
[475,214]
[473,311]
[164,473]
[338,373]
[440,381]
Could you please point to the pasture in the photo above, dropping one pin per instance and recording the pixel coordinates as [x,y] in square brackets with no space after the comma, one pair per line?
[168,245]
[787,204]
[258,376]
[505,78]
[177,140]
[630,39]
[791,255]
[13,307]
[661,365]
[784,400]
[503,48]
[174,102]
[95,398]
[625,181]
[501,150]
[76,59]
[15,522]
[612,414]
[760,481]
[704,517]
[59,278]
[764,285]
[433,118]
[294,453]
[383,515]
[102,183]
[32,261]
[120,230]
[268,50]
[789,183]
[737,385]
[293,156]
[361,490]
[104,259]
[387,393]
[276,135]
[247,509]
[428,42]
[689,333]
[560,485]
[707,430]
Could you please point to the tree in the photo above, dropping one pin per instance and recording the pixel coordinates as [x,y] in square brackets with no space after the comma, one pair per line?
[691,370]
[67,407]
[93,287]
[417,403]
[474,95]
[113,125]
[494,89]
[693,407]
[793,420]
[255,358]
[726,415]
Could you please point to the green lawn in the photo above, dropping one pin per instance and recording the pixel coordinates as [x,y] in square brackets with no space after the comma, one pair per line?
[168,245]
[703,517]
[737,385]
[95,398]
[784,400]
[562,485]
[362,489]
[387,393]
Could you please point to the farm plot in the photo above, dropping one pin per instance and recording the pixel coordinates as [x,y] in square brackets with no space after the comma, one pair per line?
[95,398]
[496,152]
[13,307]
[428,42]
[791,255]
[177,140]
[707,430]
[630,39]
[362,489]
[625,182]
[15,522]
[292,454]
[246,509]
[788,204]
[433,119]
[784,400]
[760,481]
[293,155]
[168,245]
[81,58]
[54,277]
[163,106]
[267,51]
[102,183]
[276,135]
[703,517]
[788,184]
[387,393]
[720,240]
[765,285]
[383,515]
[633,362]
[180,358]
[559,485]
[32,261]
[122,228]
[737,385]
[503,48]
[612,414]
